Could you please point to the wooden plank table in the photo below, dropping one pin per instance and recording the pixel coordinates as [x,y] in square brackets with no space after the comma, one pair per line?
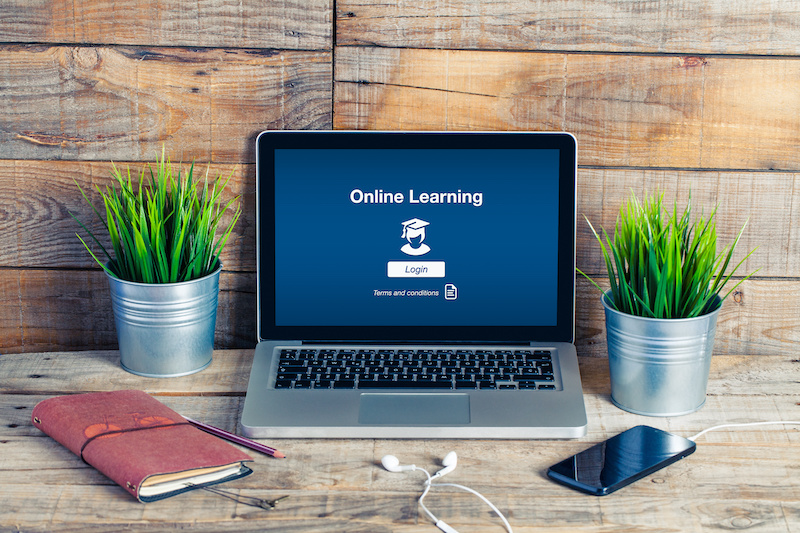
[746,478]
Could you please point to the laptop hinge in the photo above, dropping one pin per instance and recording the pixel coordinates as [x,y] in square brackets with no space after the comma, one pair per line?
[460,343]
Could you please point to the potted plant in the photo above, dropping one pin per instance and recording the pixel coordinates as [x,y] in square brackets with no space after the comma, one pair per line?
[165,267]
[666,278]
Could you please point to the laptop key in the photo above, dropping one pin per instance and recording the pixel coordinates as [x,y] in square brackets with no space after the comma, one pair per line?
[534,377]
[293,369]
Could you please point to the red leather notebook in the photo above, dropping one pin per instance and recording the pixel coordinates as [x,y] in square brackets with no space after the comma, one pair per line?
[144,446]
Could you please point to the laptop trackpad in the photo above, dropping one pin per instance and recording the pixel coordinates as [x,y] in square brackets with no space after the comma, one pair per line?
[414,409]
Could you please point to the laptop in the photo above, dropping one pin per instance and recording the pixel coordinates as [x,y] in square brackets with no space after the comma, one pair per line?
[415,285]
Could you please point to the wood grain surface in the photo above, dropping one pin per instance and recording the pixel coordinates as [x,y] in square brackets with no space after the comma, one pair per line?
[287,24]
[38,227]
[737,479]
[676,95]
[124,103]
[640,111]
[764,27]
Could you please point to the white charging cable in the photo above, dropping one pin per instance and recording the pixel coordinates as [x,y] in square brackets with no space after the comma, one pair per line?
[721,426]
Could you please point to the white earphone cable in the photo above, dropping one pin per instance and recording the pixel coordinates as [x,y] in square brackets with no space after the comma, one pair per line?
[424,493]
[479,495]
[429,484]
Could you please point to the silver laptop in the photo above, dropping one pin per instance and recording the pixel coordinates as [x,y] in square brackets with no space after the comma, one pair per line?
[415,285]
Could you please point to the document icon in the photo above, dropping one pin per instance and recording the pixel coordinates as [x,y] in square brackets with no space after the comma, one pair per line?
[450,292]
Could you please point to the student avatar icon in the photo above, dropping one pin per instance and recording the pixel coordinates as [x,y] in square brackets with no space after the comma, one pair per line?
[414,233]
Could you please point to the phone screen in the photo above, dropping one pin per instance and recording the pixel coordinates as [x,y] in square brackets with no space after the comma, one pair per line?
[621,460]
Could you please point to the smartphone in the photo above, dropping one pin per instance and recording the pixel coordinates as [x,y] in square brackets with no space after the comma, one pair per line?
[621,460]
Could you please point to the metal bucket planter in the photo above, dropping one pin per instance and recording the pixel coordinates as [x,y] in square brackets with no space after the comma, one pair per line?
[658,366]
[165,330]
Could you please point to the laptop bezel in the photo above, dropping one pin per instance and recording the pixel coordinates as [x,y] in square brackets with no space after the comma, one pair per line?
[269,141]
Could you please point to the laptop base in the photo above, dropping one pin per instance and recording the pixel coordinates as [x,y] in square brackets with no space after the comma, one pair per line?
[398,414]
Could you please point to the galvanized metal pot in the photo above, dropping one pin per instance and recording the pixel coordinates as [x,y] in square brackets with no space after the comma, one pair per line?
[659,367]
[165,330]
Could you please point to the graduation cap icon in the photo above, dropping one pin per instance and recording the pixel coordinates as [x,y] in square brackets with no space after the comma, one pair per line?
[414,233]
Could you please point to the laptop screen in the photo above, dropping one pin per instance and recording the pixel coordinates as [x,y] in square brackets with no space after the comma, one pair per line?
[382,236]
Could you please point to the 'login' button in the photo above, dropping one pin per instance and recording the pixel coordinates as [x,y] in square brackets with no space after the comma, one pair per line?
[415,269]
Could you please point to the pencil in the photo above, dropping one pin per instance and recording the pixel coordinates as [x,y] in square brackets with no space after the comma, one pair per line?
[221,433]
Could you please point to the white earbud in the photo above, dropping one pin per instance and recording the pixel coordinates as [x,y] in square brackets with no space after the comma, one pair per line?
[449,462]
[392,464]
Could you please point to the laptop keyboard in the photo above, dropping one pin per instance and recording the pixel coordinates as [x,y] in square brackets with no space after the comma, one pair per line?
[326,368]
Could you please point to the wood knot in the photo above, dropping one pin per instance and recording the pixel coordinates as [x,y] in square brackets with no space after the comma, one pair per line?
[87,58]
[692,61]
[738,296]
[741,522]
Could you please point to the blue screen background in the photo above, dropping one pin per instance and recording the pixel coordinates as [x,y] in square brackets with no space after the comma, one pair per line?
[331,254]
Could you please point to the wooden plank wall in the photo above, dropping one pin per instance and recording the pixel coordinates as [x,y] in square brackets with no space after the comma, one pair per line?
[677,95]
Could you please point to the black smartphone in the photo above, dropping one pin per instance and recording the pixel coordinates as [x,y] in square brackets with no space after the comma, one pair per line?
[621,460]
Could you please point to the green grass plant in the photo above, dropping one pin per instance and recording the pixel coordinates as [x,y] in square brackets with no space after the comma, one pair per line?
[162,230]
[663,265]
